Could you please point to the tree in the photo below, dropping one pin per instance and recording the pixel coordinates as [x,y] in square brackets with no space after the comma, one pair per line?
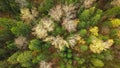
[21,29]
[45,6]
[35,44]
[13,59]
[9,6]
[25,59]
[5,26]
[97,62]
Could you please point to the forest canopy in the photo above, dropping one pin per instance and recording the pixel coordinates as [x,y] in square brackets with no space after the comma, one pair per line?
[59,33]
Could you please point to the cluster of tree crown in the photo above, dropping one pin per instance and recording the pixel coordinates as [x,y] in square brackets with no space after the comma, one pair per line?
[59,33]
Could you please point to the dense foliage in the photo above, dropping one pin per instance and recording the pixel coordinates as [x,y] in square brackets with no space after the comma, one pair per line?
[60,34]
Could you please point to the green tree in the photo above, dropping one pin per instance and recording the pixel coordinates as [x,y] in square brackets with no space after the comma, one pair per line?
[83,47]
[13,59]
[96,18]
[90,16]
[83,32]
[21,29]
[39,58]
[45,6]
[25,59]
[5,26]
[11,45]
[59,30]
[9,6]
[97,62]
[35,44]
[112,12]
